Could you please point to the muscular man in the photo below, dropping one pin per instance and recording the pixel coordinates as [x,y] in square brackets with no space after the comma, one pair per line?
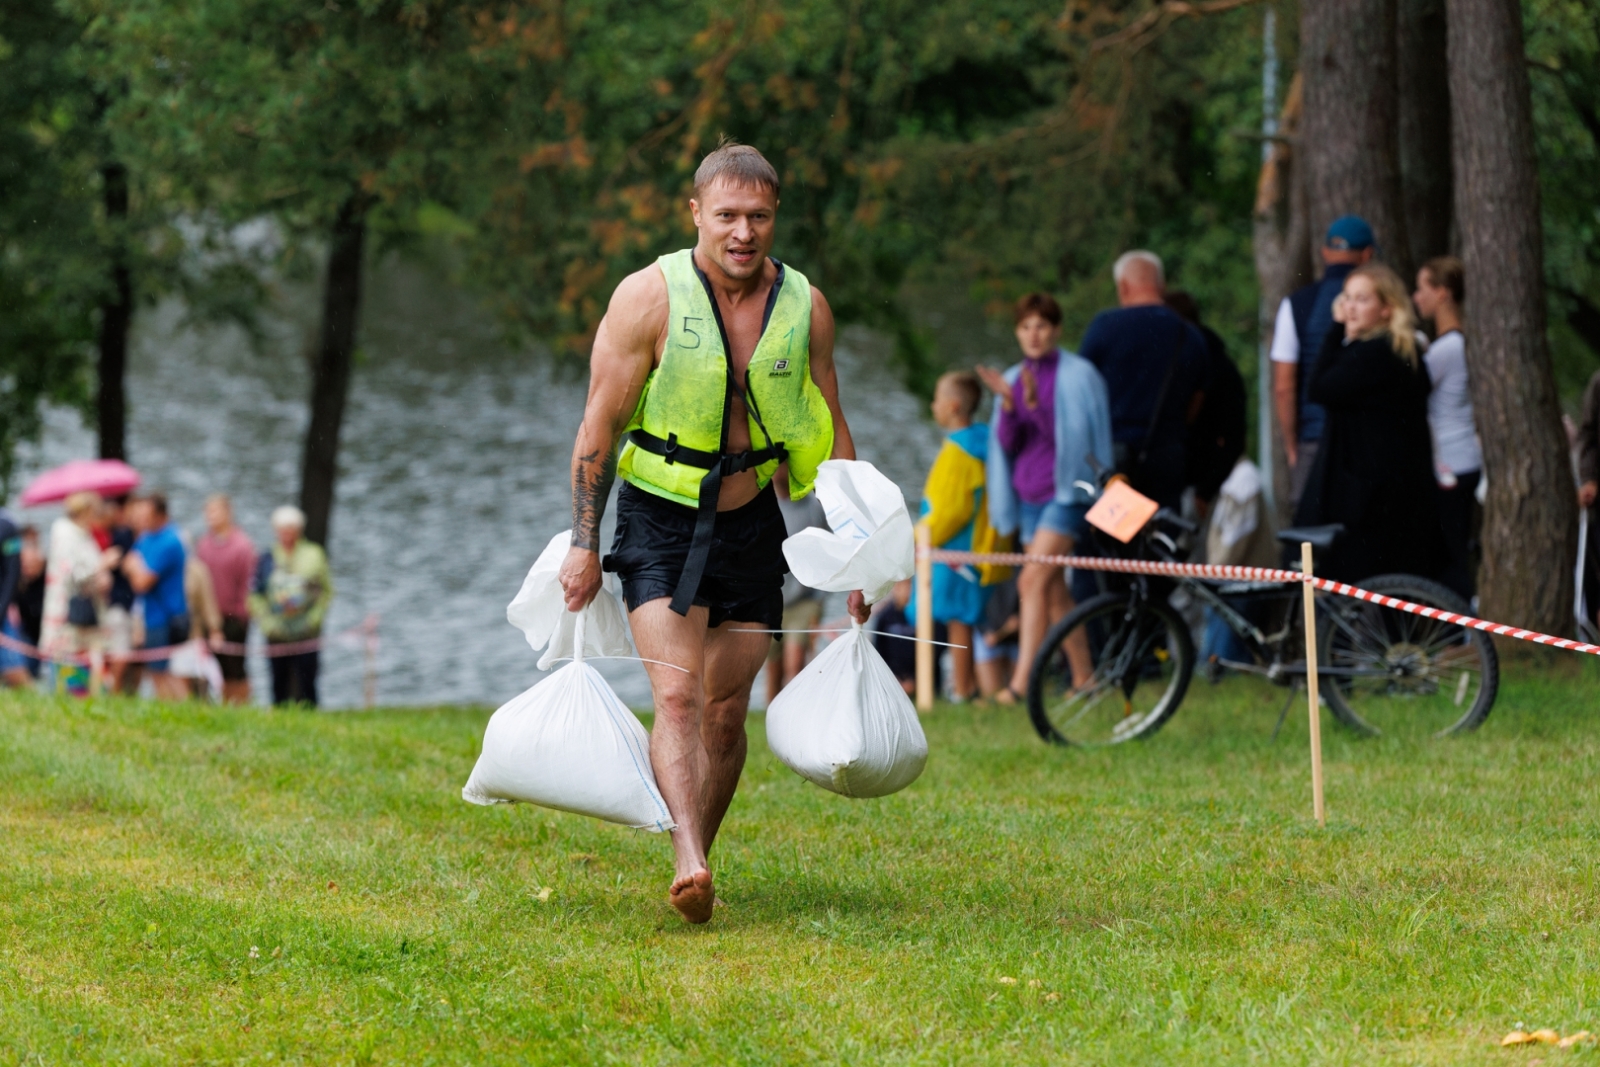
[716,363]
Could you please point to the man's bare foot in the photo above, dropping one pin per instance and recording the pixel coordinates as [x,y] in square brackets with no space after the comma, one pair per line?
[693,896]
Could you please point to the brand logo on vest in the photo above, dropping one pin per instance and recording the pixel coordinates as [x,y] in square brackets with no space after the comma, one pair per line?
[780,369]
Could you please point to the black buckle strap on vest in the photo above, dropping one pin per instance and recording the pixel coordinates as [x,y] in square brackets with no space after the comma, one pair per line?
[672,451]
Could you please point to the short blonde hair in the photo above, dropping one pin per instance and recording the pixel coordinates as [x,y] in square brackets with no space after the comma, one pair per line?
[79,503]
[1402,328]
[737,164]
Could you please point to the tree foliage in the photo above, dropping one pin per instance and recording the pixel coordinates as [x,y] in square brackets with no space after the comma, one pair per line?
[996,145]
[50,235]
[977,147]
[1563,44]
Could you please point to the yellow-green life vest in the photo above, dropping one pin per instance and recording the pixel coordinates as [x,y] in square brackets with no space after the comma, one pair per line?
[685,397]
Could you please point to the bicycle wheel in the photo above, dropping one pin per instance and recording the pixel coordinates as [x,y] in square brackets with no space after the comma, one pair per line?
[1141,657]
[1386,671]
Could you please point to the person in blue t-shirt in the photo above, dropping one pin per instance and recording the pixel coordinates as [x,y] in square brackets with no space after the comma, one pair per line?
[1155,365]
[155,570]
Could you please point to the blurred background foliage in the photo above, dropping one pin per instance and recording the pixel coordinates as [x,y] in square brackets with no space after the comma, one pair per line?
[939,157]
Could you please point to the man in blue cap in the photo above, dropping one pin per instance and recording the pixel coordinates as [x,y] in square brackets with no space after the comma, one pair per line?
[1304,319]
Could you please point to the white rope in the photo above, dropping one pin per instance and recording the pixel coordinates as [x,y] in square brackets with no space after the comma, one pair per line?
[876,633]
[633,659]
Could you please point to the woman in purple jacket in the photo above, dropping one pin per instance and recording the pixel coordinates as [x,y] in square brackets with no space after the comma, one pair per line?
[1052,415]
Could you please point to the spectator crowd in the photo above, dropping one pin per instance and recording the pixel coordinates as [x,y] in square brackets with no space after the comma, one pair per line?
[1369,387]
[118,594]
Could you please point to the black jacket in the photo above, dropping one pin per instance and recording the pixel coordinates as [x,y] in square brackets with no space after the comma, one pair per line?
[1216,437]
[1374,471]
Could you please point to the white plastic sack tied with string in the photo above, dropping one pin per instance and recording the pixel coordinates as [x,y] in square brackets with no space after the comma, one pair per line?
[569,742]
[844,723]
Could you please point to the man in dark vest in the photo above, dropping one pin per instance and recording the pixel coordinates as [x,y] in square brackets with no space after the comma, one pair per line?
[711,367]
[1304,318]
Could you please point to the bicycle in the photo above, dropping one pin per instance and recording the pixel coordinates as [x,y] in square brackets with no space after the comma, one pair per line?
[1382,671]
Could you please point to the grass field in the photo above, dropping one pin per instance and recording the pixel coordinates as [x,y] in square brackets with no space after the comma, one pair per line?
[193,885]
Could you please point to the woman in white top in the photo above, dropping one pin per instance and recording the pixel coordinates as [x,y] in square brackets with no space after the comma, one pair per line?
[1457,455]
[76,567]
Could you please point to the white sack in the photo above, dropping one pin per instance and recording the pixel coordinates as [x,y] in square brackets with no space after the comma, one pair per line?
[870,544]
[539,610]
[194,660]
[569,743]
[845,723]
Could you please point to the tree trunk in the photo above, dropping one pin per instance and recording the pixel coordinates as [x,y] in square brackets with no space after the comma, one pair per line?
[1530,527]
[116,316]
[330,371]
[1281,236]
[1425,172]
[1351,139]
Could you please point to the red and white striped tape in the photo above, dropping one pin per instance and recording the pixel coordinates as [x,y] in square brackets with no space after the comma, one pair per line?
[1258,574]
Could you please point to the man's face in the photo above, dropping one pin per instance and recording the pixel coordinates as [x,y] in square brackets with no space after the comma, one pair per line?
[736,225]
[218,515]
[141,516]
[288,536]
[1036,336]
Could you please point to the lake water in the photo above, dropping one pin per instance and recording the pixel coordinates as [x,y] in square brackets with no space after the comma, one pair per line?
[453,470]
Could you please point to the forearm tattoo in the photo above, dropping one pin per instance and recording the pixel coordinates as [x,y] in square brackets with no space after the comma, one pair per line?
[592,476]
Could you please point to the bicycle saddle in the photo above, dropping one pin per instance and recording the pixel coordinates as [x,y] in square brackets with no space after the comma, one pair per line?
[1321,537]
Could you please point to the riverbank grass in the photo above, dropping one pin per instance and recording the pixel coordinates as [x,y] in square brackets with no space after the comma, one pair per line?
[198,885]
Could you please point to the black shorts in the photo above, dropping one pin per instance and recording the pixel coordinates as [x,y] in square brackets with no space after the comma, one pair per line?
[743,580]
[235,629]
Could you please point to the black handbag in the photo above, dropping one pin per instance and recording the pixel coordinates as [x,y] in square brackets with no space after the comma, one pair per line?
[81,611]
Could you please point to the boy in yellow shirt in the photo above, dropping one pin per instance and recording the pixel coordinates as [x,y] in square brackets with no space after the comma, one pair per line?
[957,517]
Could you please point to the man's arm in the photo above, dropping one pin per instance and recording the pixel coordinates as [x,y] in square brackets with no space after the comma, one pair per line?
[138,573]
[1285,359]
[623,355]
[1283,403]
[824,374]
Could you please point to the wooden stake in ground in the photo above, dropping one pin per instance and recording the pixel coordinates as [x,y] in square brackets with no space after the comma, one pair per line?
[925,681]
[1311,685]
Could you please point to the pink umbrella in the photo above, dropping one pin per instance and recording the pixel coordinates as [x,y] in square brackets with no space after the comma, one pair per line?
[108,477]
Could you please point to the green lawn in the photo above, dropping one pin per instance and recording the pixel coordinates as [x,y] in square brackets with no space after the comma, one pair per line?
[193,885]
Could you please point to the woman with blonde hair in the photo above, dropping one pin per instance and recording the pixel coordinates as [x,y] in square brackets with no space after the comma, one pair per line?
[77,582]
[1374,472]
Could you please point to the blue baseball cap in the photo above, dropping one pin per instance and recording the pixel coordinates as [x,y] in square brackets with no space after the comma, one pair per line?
[1349,234]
